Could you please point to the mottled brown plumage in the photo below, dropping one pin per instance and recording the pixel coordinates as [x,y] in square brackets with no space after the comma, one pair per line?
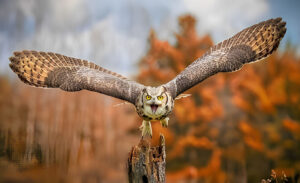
[250,45]
[53,70]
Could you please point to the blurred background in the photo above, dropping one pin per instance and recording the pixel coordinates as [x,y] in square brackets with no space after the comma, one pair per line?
[236,127]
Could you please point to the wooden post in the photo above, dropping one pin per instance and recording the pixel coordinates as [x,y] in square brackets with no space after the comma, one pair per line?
[147,164]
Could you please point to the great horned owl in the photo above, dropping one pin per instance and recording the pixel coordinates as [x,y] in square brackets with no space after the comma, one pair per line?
[53,70]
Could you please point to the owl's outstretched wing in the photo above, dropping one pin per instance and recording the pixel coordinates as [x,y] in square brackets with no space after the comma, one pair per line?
[251,44]
[53,70]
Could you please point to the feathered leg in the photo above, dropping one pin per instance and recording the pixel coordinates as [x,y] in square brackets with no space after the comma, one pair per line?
[146,128]
[164,122]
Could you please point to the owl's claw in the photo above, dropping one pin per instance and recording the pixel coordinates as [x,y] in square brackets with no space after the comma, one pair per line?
[164,122]
[146,129]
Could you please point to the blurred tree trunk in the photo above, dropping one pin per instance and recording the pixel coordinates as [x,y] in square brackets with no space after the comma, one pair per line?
[147,164]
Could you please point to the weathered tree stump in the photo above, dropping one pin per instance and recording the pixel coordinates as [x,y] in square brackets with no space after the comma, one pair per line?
[147,164]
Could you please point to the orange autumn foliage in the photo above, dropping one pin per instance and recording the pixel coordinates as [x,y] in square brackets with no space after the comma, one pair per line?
[191,141]
[212,172]
[251,137]
[292,126]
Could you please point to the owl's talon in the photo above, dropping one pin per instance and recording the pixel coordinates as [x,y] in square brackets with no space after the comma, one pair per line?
[164,122]
[146,129]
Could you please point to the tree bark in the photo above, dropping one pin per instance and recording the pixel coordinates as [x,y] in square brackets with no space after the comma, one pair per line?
[147,164]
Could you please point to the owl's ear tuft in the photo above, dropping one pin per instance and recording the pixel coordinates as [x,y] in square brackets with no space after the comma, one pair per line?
[144,90]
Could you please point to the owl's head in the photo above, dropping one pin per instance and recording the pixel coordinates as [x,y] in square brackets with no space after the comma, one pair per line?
[155,102]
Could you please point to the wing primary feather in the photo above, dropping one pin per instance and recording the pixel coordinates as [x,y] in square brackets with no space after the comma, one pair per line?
[249,45]
[52,70]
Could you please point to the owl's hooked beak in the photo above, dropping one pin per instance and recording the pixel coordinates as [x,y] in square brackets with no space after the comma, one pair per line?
[154,107]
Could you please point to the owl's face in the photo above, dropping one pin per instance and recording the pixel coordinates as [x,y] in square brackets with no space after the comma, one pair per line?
[154,103]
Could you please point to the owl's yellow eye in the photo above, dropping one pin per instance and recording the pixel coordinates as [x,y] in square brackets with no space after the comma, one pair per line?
[148,97]
[160,97]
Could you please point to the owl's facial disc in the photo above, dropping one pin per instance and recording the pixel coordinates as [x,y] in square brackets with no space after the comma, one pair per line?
[155,103]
